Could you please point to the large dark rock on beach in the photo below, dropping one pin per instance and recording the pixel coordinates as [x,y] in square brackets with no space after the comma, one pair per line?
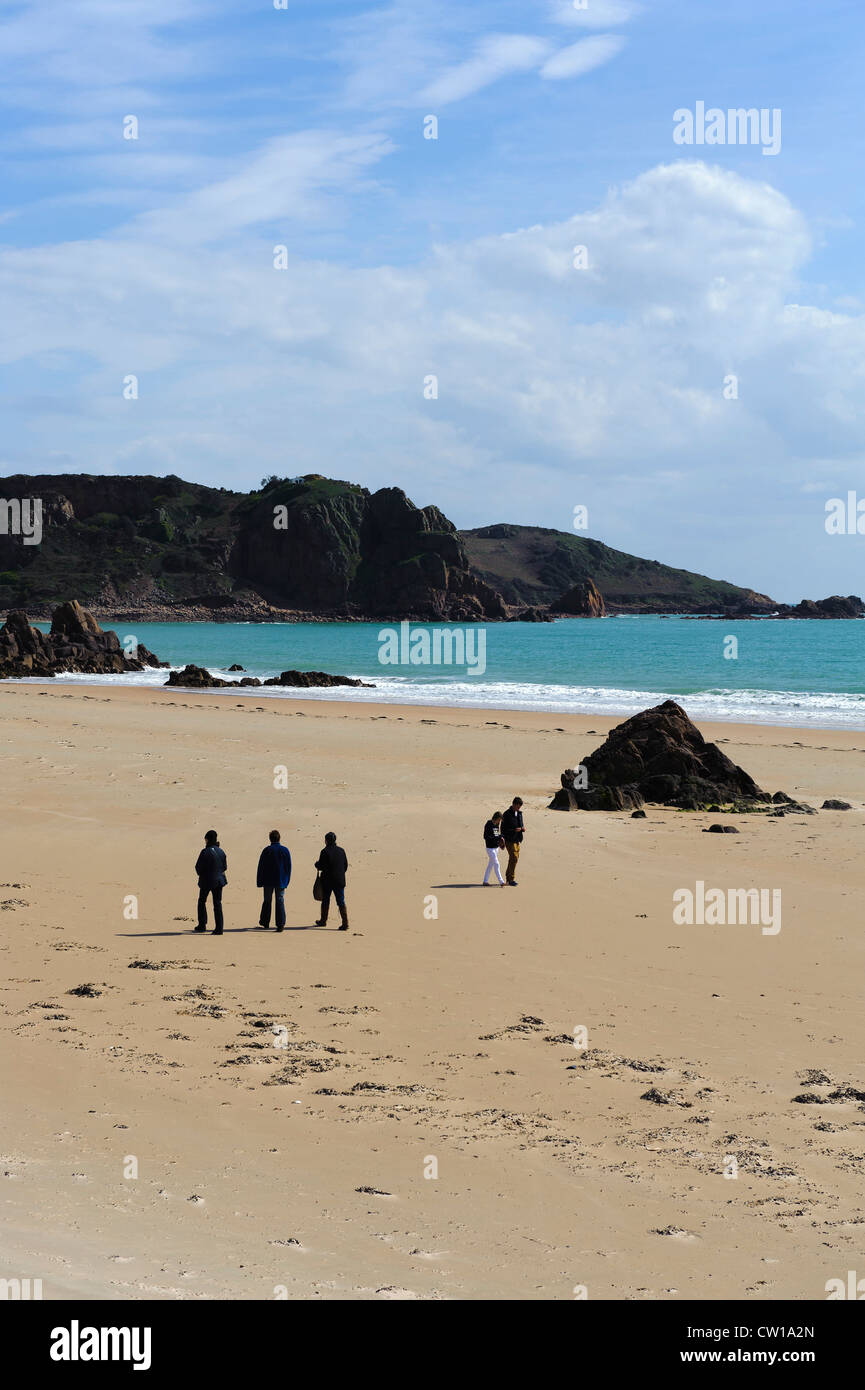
[660,756]
[75,643]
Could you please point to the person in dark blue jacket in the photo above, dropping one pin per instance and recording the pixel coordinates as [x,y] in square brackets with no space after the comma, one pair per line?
[274,876]
[211,866]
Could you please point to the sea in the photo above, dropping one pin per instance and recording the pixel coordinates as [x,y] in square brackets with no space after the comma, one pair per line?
[801,672]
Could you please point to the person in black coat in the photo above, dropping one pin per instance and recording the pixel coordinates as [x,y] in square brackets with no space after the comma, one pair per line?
[273,877]
[332,864]
[211,867]
[513,830]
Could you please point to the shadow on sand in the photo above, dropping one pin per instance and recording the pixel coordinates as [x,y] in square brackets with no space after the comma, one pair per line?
[228,931]
[459,885]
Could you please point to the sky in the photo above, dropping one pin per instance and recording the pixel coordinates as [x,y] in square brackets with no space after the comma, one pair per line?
[299,280]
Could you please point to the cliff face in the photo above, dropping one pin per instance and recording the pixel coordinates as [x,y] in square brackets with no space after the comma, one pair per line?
[317,544]
[311,544]
[109,538]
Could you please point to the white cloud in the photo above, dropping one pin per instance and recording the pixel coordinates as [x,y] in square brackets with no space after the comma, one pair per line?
[583,57]
[284,181]
[497,56]
[97,44]
[607,381]
[390,54]
[395,53]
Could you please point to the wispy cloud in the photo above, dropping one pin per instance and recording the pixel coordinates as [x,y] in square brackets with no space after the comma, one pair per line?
[496,56]
[391,54]
[285,180]
[96,44]
[583,57]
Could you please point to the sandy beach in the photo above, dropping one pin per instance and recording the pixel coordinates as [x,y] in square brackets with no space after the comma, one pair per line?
[285,1100]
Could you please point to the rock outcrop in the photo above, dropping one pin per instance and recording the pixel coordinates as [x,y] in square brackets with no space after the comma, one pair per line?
[306,679]
[834,607]
[76,643]
[582,601]
[660,756]
[530,615]
[194,677]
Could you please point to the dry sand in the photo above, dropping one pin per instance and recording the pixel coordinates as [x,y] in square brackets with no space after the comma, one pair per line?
[299,1171]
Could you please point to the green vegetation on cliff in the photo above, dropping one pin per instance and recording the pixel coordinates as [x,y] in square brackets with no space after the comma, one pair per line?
[533,565]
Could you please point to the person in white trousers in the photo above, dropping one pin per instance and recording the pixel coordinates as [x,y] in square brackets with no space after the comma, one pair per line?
[493,841]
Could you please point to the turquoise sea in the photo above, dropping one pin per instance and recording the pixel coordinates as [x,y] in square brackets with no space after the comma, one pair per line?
[785,672]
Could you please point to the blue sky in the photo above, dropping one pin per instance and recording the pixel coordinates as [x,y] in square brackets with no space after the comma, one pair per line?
[406,257]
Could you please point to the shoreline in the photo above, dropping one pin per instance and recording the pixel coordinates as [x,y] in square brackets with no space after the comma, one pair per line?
[291,617]
[714,730]
[328,697]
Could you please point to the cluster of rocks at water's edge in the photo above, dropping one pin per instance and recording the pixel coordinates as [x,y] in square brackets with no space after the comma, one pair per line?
[834,607]
[660,756]
[197,678]
[77,644]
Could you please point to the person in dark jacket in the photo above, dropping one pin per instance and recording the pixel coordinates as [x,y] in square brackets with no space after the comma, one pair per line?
[332,864]
[274,876]
[211,867]
[513,831]
[493,841]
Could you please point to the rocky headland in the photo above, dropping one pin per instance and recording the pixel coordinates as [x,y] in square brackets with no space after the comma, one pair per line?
[317,549]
